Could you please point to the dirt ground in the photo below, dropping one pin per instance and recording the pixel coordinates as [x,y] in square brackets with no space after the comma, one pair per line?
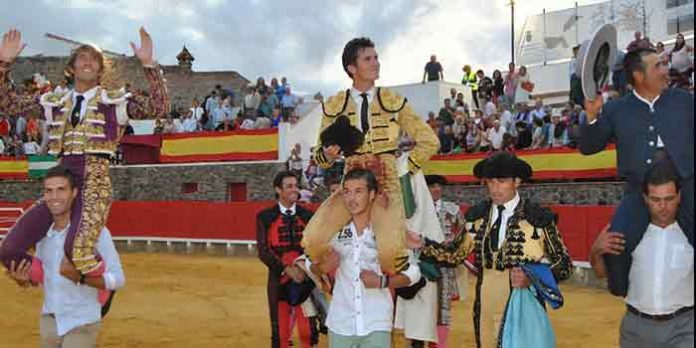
[177,300]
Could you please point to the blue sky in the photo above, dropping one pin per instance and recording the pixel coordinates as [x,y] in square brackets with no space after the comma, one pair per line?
[301,40]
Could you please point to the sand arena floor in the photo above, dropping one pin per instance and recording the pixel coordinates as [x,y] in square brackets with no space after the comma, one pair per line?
[179,300]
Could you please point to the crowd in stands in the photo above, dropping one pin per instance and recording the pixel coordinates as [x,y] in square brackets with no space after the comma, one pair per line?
[261,106]
[503,115]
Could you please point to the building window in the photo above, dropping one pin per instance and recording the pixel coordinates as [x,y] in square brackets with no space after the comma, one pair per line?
[680,24]
[189,187]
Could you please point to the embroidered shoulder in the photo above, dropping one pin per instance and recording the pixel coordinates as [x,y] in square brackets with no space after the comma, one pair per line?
[114,97]
[477,212]
[335,105]
[390,100]
[539,216]
[52,99]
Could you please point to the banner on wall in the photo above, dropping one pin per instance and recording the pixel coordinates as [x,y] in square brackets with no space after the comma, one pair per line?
[248,145]
[562,163]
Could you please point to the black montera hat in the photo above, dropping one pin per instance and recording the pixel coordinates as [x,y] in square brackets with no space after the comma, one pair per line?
[433,179]
[343,134]
[502,164]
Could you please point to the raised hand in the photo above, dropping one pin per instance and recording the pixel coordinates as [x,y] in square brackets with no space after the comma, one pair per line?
[145,52]
[11,46]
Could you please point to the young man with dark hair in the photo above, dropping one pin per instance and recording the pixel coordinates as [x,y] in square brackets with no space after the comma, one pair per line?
[650,124]
[71,311]
[660,295]
[382,115]
[361,311]
[279,231]
[83,131]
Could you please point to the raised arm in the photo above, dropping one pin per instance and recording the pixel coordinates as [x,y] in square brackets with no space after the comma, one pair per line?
[156,103]
[10,102]
[595,135]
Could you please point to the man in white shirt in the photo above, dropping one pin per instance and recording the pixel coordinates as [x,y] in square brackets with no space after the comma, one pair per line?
[189,124]
[361,312]
[73,304]
[660,298]
[495,135]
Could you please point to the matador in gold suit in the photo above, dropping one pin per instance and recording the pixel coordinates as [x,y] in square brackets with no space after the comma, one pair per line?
[389,116]
[506,235]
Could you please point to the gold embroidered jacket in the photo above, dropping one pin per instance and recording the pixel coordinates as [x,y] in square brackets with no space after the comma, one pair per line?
[531,235]
[390,114]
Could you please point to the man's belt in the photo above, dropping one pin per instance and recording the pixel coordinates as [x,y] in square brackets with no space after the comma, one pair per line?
[659,317]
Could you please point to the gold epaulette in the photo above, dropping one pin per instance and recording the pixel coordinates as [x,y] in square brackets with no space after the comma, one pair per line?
[115,94]
[335,105]
[390,100]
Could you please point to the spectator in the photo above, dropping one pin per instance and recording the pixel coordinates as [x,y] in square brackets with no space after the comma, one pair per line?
[30,147]
[453,95]
[197,113]
[508,143]
[459,102]
[446,140]
[262,123]
[524,86]
[268,102]
[618,77]
[485,87]
[276,117]
[495,134]
[469,79]
[313,174]
[4,127]
[20,126]
[506,120]
[576,94]
[478,118]
[539,111]
[498,87]
[189,124]
[433,70]
[523,114]
[169,127]
[638,42]
[538,136]
[446,114]
[159,127]
[488,107]
[473,137]
[252,101]
[295,162]
[662,53]
[33,127]
[288,102]
[432,122]
[485,144]
[212,103]
[278,89]
[510,84]
[261,87]
[524,137]
[459,127]
[682,67]
[558,132]
[225,115]
[247,124]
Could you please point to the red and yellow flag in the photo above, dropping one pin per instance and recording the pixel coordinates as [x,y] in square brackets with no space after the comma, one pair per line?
[14,169]
[547,164]
[248,145]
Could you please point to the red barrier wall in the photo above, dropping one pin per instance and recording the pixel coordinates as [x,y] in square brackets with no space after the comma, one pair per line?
[579,225]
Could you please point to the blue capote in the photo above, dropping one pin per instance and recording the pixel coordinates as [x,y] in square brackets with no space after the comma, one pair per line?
[525,323]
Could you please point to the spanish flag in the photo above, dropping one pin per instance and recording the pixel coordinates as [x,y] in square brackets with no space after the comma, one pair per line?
[547,164]
[14,168]
[247,145]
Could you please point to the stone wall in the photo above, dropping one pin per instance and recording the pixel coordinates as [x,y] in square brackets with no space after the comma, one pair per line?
[164,182]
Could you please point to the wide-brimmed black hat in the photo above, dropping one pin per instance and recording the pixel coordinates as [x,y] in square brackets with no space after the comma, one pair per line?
[433,179]
[343,134]
[502,164]
[595,59]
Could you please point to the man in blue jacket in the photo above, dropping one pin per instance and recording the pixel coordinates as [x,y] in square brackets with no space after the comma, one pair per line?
[649,124]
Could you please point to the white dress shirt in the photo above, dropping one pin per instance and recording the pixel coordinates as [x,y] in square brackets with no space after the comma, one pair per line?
[661,279]
[356,310]
[357,98]
[74,305]
[88,95]
[507,213]
[284,209]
